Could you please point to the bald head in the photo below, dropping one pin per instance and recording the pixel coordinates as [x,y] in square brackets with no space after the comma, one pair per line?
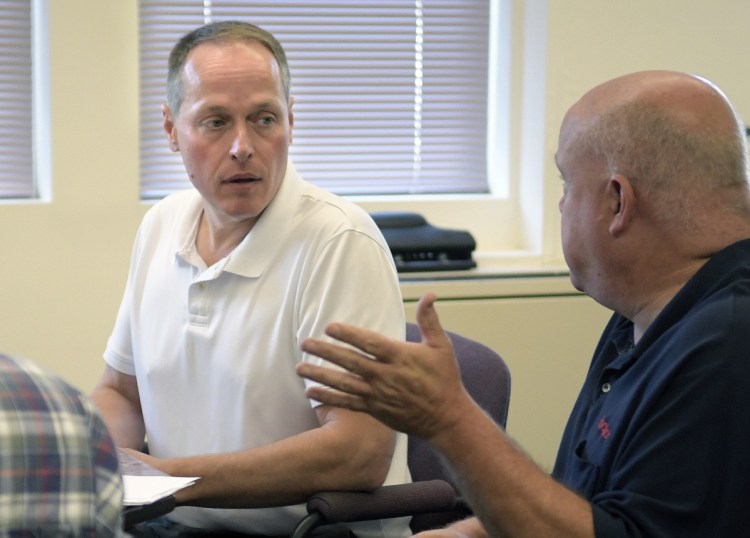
[655,182]
[691,101]
[675,136]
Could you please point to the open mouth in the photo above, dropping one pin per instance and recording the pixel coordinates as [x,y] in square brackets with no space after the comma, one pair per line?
[240,180]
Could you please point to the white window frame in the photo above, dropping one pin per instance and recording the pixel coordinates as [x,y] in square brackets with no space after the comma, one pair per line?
[509,222]
[40,100]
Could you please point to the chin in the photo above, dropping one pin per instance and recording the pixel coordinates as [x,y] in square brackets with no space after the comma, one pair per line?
[242,211]
[576,282]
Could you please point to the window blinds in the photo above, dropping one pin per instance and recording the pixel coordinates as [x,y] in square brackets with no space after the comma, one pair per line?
[16,114]
[390,95]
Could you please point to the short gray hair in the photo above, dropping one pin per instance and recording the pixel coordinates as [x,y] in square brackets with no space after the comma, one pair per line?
[667,159]
[224,31]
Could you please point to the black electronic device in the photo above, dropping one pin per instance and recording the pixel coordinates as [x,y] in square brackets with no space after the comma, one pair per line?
[417,245]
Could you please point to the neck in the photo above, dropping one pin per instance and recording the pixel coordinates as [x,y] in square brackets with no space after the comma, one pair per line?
[662,288]
[215,242]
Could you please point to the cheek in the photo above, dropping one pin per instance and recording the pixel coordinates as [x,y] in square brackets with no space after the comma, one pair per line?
[565,214]
[570,231]
[277,152]
[197,155]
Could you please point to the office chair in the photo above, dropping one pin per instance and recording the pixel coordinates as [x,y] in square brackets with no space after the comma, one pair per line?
[431,499]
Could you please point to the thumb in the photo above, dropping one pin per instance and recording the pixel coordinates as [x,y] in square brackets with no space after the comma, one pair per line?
[428,321]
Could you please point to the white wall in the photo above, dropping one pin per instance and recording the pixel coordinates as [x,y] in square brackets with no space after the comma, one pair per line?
[64,263]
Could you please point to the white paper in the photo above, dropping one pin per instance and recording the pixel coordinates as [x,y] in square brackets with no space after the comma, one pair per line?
[148,489]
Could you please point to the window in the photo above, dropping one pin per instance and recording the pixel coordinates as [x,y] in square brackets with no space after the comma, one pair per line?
[472,136]
[16,137]
[391,96]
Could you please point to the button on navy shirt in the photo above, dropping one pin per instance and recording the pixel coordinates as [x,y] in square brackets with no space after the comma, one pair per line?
[659,438]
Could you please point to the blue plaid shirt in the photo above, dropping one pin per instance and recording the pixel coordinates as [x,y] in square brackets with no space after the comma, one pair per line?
[58,467]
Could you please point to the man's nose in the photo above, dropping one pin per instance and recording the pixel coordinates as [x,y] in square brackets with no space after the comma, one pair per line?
[242,147]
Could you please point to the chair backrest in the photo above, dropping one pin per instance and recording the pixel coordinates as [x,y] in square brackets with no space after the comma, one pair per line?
[487,379]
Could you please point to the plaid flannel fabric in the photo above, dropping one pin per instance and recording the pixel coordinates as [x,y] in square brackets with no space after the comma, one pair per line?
[58,466]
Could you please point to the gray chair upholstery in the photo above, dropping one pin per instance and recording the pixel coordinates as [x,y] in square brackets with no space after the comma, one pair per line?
[433,499]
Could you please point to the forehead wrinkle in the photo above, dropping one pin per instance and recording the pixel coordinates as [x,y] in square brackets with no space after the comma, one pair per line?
[212,65]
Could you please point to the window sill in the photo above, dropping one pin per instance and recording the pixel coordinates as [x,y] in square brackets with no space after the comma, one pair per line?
[497,275]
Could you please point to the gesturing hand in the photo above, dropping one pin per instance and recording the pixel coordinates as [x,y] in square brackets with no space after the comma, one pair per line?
[412,387]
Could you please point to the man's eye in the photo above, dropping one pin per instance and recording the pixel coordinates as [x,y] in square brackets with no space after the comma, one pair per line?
[214,123]
[267,120]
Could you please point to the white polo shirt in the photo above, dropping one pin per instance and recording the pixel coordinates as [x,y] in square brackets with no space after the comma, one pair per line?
[214,348]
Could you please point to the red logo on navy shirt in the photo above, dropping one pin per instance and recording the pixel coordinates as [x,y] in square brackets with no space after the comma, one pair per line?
[603,429]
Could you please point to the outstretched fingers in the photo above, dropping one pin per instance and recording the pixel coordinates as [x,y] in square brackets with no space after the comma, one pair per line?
[373,344]
[349,386]
[350,359]
[332,396]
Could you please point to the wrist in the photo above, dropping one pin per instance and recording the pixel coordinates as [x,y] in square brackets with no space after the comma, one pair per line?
[458,418]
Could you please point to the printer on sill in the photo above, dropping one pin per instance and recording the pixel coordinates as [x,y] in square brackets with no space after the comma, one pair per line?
[417,245]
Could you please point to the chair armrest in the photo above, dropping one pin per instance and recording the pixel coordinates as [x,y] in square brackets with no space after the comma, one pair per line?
[399,500]
[388,501]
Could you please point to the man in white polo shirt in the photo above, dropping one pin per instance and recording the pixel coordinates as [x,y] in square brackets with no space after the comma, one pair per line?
[225,282]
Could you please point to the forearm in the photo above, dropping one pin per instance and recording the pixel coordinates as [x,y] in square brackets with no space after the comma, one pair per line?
[511,496]
[124,420]
[287,471]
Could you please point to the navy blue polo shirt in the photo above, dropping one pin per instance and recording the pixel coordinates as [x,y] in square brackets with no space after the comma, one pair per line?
[659,438]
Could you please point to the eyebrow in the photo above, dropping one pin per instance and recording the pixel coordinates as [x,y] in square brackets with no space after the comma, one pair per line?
[263,105]
[271,104]
[213,109]
[557,164]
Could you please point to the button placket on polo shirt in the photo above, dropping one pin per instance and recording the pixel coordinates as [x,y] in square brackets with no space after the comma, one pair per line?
[199,304]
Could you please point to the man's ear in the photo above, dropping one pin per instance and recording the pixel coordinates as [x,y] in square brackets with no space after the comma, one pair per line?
[169,128]
[622,203]
[291,118]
